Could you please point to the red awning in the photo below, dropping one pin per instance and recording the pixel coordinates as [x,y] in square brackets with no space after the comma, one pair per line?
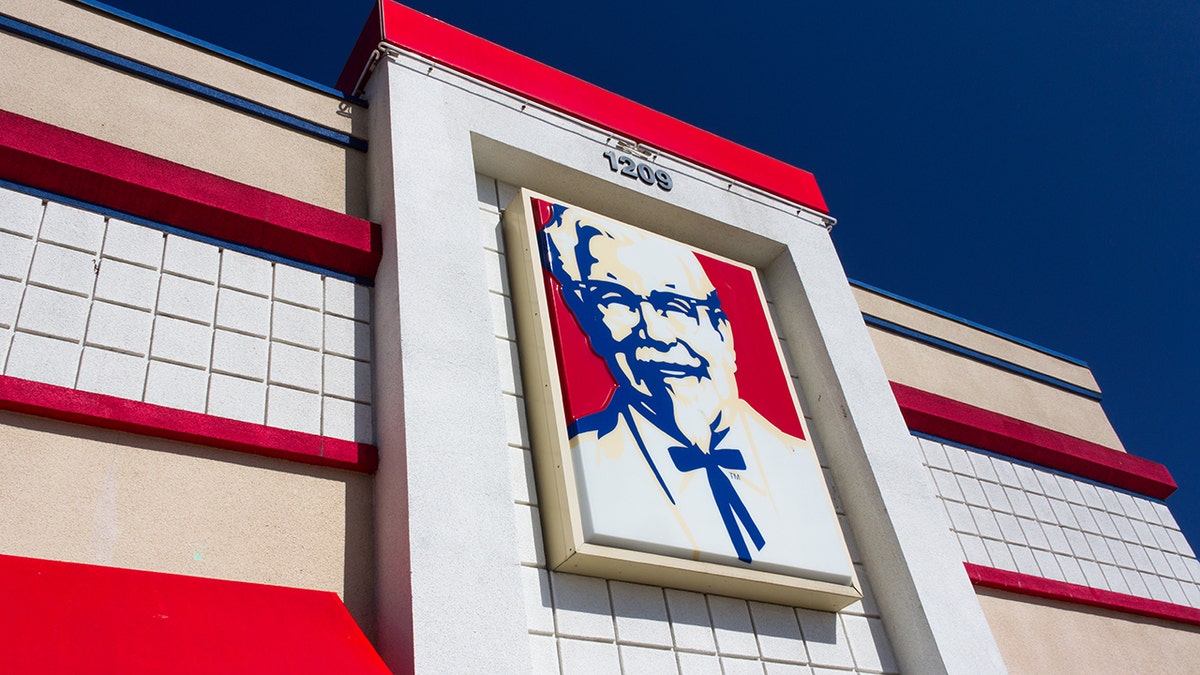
[58,617]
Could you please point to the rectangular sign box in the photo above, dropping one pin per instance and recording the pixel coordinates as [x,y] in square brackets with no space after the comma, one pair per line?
[668,444]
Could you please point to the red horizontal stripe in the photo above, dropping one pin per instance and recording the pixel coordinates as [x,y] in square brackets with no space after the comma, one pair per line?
[962,423]
[1039,587]
[54,159]
[110,412]
[521,75]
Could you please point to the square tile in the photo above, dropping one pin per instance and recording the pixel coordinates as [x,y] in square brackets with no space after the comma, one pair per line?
[119,328]
[826,639]
[778,633]
[181,342]
[293,409]
[20,213]
[239,354]
[641,613]
[237,398]
[186,299]
[53,313]
[246,273]
[72,227]
[176,386]
[126,284]
[582,607]
[190,258]
[43,359]
[347,420]
[134,243]
[691,625]
[299,287]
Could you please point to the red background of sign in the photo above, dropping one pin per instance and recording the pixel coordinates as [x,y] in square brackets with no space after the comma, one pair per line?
[762,381]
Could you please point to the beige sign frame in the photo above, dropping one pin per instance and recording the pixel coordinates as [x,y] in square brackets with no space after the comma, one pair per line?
[566,550]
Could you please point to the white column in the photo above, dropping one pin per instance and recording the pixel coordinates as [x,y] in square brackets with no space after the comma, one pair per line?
[448,588]
[927,602]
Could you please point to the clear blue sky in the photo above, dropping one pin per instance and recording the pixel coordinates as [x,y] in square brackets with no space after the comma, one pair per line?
[1029,166]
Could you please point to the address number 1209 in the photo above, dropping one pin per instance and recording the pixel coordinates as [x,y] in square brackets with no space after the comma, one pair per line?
[625,165]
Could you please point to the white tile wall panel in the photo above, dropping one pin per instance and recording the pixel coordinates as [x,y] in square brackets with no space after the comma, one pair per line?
[126,284]
[72,227]
[239,354]
[250,274]
[5,342]
[347,338]
[641,614]
[602,625]
[1061,527]
[732,626]
[774,668]
[295,367]
[299,287]
[104,371]
[243,312]
[696,664]
[176,386]
[64,269]
[120,329]
[347,378]
[126,310]
[187,299]
[346,299]
[585,656]
[18,252]
[192,259]
[647,660]
[134,244]
[296,325]
[293,409]
[347,419]
[543,652]
[237,398]
[10,301]
[582,607]
[53,313]
[182,342]
[45,359]
[20,213]
[735,666]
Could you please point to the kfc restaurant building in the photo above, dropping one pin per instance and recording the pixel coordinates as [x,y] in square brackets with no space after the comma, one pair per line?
[470,366]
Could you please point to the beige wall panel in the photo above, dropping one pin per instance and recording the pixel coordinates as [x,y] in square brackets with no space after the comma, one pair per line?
[972,338]
[81,494]
[100,30]
[79,95]
[940,372]
[1044,636]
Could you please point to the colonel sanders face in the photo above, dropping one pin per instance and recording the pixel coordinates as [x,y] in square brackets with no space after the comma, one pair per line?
[651,312]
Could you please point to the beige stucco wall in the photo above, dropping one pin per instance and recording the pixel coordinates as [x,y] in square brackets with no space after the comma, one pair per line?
[88,495]
[928,368]
[963,335]
[102,30]
[1044,636]
[77,94]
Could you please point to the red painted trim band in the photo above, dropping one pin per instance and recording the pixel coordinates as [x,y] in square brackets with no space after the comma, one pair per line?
[962,423]
[54,159]
[110,412]
[66,617]
[458,49]
[1040,587]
